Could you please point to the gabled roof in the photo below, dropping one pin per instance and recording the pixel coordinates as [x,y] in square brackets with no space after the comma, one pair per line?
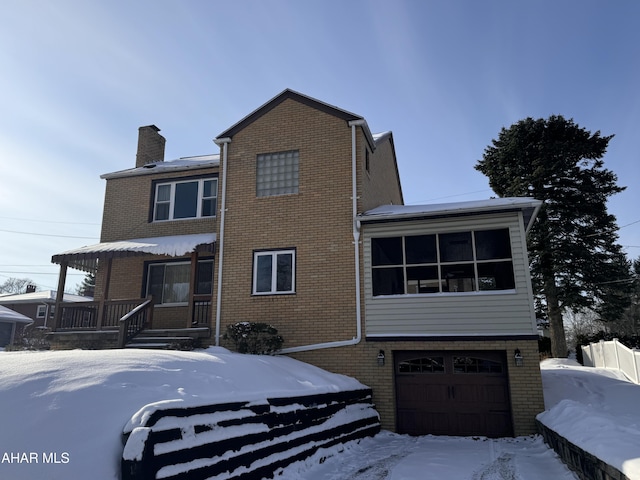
[298,97]
[86,258]
[389,213]
[179,165]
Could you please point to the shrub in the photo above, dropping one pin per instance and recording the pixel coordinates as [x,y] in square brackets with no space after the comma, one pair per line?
[31,338]
[254,337]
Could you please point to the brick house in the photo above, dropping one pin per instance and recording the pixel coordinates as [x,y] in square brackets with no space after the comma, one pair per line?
[299,222]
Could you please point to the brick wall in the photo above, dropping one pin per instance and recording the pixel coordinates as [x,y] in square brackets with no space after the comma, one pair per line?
[317,222]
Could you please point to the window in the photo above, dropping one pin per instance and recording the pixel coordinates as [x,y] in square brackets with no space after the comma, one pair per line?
[422,365]
[274,272]
[42,311]
[185,199]
[277,173]
[169,282]
[447,262]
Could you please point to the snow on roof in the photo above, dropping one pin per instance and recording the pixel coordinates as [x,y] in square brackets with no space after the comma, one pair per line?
[85,258]
[8,315]
[377,137]
[44,296]
[528,205]
[183,163]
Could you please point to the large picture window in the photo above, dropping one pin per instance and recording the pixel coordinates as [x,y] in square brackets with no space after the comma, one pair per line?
[274,272]
[185,199]
[277,173]
[169,282]
[448,262]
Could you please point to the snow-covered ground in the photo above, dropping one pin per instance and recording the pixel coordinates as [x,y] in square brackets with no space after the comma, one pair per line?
[62,414]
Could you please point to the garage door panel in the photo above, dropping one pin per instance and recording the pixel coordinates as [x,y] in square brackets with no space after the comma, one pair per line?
[469,395]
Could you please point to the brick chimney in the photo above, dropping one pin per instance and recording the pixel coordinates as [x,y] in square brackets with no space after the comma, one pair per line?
[31,288]
[150,146]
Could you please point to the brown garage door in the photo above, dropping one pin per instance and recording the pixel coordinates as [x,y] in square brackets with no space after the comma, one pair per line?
[452,393]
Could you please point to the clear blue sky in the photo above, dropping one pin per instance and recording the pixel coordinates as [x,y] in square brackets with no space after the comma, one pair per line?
[79,78]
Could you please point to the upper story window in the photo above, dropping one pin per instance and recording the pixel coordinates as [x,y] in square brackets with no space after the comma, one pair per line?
[447,262]
[277,173]
[192,198]
[274,272]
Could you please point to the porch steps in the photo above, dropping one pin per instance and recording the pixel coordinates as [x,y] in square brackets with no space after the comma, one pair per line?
[168,339]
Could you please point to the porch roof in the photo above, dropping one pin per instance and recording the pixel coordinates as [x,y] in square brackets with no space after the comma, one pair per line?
[86,258]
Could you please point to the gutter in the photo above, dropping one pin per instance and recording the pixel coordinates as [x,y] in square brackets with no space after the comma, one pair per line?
[223,142]
[356,242]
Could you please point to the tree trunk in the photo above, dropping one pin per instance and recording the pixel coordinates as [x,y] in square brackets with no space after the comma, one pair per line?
[556,326]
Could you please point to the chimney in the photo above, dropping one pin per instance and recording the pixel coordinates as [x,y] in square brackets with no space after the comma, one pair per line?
[31,288]
[150,146]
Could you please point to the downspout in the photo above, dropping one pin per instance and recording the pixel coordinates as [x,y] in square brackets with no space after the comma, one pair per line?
[356,241]
[224,142]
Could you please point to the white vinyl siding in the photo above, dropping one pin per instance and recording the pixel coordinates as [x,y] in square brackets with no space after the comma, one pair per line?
[492,312]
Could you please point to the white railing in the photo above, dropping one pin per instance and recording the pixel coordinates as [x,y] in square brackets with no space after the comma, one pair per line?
[613,355]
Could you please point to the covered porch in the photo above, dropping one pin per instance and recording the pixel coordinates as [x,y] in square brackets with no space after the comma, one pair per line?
[128,317]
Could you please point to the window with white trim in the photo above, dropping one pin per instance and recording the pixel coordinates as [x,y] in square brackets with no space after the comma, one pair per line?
[274,272]
[169,282]
[277,173]
[177,200]
[41,312]
[467,261]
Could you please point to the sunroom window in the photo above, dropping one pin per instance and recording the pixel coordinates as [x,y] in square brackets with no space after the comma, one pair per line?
[467,261]
[185,199]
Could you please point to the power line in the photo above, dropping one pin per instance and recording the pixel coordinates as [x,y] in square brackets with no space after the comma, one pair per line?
[48,235]
[49,221]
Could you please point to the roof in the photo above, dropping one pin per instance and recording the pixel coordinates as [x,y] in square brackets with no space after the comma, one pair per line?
[8,315]
[44,296]
[86,258]
[385,213]
[304,99]
[179,165]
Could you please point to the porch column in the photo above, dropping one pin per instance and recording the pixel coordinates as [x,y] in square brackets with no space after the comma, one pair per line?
[192,288]
[62,280]
[105,294]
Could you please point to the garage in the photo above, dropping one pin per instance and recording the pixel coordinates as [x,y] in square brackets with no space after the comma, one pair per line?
[452,393]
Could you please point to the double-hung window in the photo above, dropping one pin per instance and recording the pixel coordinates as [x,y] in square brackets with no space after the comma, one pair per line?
[274,272]
[169,282]
[466,261]
[192,198]
[277,173]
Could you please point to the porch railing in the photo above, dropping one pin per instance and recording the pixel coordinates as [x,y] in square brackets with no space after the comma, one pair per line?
[201,310]
[133,322]
[106,315]
[87,315]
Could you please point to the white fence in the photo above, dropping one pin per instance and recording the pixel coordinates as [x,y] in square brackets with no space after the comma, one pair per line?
[613,355]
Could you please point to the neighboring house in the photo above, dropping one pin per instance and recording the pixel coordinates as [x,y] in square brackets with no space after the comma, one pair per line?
[299,222]
[10,322]
[38,306]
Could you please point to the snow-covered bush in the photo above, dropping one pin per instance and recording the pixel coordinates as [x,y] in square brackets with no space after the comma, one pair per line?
[254,337]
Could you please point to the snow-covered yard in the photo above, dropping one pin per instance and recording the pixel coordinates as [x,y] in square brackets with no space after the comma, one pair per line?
[62,414]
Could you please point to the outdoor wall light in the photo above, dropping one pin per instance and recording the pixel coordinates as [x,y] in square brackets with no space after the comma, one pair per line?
[381,358]
[517,356]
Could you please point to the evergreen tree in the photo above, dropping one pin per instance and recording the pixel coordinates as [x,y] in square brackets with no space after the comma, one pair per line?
[88,286]
[576,261]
